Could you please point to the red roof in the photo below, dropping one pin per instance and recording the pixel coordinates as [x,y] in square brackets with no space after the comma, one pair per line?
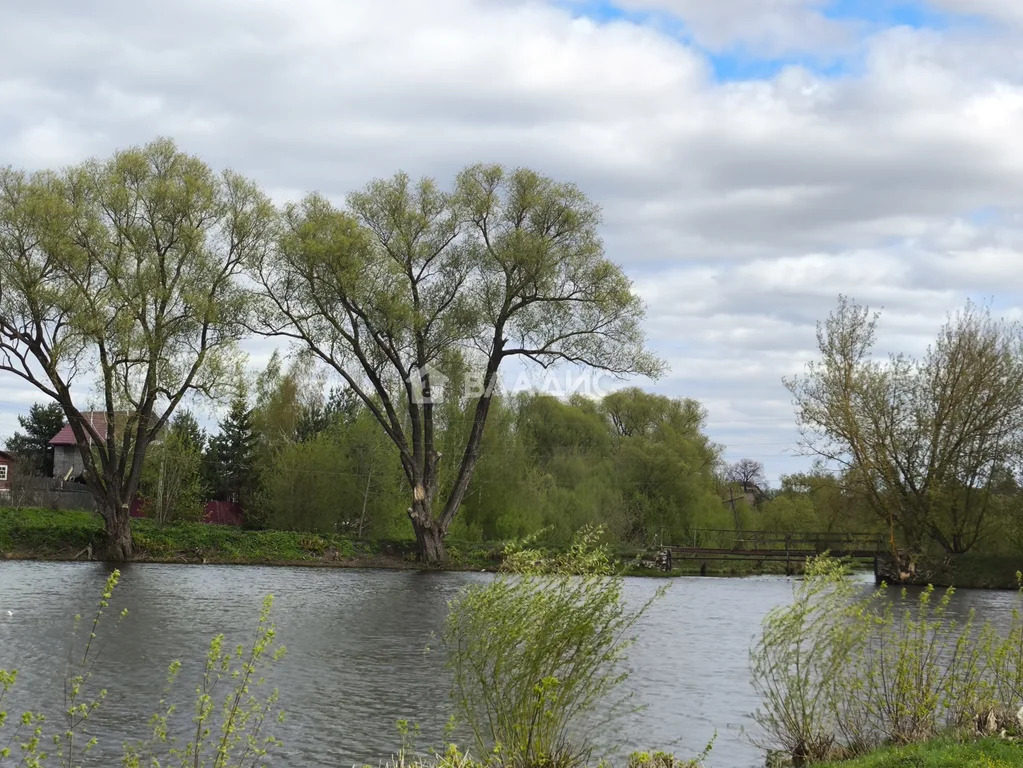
[66,436]
[6,457]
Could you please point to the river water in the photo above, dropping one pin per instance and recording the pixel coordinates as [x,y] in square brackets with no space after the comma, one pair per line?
[364,651]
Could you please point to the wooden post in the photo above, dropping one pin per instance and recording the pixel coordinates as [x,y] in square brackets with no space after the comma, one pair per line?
[788,565]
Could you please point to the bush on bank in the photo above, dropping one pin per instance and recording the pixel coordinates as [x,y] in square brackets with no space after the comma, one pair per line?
[840,674]
[536,651]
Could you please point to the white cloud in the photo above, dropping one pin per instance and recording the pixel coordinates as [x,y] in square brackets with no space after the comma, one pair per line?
[1000,10]
[741,209]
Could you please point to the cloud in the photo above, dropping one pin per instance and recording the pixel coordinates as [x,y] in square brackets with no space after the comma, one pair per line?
[991,10]
[741,208]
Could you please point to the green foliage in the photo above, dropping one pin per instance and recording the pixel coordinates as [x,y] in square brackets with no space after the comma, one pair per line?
[1007,661]
[817,500]
[799,661]
[926,442]
[920,674]
[408,278]
[544,463]
[32,447]
[229,715]
[230,461]
[342,479]
[538,649]
[562,465]
[125,269]
[171,477]
[840,674]
[659,759]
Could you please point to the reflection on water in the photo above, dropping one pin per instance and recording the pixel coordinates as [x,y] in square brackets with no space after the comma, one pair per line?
[364,651]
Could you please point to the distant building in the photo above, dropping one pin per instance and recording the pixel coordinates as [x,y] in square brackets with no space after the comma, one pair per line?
[6,472]
[67,461]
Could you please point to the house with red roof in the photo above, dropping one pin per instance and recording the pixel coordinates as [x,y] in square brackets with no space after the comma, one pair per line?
[67,461]
[6,472]
[67,465]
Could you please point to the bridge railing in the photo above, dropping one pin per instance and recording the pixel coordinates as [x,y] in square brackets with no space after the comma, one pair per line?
[815,541]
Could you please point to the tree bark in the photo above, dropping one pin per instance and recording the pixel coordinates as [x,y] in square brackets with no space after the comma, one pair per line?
[429,536]
[119,545]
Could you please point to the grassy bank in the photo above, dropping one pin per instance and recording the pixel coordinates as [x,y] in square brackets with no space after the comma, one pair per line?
[68,535]
[984,753]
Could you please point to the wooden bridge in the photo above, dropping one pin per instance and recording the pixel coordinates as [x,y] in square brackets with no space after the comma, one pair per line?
[767,546]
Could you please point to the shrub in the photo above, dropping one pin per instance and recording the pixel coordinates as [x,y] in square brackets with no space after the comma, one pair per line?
[538,649]
[919,674]
[799,660]
[839,675]
[1007,661]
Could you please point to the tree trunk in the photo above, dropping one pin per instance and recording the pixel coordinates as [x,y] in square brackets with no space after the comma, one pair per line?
[119,546]
[429,537]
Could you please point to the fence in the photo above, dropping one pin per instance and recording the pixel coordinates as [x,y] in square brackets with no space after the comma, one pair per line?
[47,493]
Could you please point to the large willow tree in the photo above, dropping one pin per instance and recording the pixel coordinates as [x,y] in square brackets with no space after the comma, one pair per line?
[924,440]
[407,276]
[118,292]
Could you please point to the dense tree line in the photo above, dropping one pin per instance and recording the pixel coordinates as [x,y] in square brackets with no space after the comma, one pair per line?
[638,463]
[301,456]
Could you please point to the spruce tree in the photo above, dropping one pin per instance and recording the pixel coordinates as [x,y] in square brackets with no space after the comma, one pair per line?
[230,460]
[32,448]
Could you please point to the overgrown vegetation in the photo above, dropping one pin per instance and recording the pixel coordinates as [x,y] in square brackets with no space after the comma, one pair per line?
[641,465]
[840,674]
[537,654]
[123,272]
[229,724]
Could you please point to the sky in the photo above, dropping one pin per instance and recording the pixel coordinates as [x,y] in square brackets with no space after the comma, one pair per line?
[753,159]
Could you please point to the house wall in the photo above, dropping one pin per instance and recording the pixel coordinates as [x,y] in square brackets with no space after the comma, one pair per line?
[6,470]
[66,457]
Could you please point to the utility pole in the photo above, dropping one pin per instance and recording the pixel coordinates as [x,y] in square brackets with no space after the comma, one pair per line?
[735,516]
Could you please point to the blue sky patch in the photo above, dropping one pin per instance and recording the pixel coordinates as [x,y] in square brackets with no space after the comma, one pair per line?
[738,63]
[888,13]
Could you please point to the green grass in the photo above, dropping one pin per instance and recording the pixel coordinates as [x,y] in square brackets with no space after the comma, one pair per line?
[41,533]
[984,753]
[222,543]
[34,532]
[65,534]
[61,534]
